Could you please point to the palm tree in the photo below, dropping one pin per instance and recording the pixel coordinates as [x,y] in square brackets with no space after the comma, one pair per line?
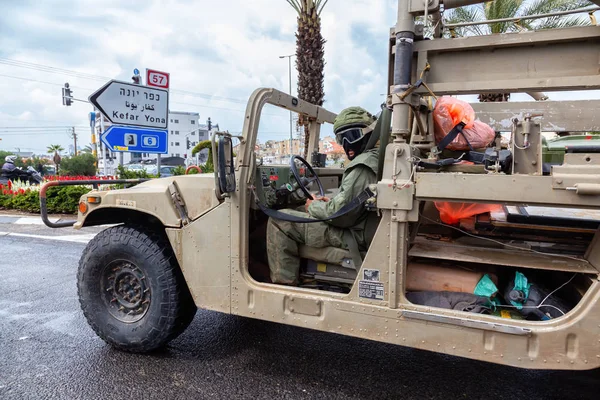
[499,9]
[55,148]
[310,56]
[87,149]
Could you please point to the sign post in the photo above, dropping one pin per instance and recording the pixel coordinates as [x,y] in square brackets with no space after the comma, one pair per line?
[161,80]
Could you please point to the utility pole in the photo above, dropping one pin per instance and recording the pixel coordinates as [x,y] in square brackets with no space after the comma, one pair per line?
[92,118]
[74,136]
[102,148]
[290,78]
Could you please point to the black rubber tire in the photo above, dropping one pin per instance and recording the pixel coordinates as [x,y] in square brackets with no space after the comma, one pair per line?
[171,307]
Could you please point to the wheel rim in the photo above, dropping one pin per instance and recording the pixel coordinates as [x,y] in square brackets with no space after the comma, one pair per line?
[125,291]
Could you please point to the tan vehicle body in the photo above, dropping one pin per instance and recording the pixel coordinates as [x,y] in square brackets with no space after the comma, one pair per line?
[211,242]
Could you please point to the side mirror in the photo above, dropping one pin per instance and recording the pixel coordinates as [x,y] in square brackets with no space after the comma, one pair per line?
[225,169]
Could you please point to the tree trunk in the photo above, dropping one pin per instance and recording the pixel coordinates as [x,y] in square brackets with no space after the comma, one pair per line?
[310,62]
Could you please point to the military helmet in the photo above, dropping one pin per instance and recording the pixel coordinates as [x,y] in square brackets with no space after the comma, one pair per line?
[353,117]
[353,127]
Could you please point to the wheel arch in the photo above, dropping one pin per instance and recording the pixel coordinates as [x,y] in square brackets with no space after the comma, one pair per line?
[117,215]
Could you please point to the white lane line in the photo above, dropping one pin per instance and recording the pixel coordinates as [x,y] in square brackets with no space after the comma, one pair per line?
[30,221]
[67,238]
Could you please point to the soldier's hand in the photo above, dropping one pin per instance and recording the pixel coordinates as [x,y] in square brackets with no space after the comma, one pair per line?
[308,203]
[317,198]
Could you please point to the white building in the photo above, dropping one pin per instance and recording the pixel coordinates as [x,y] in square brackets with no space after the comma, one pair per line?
[182,126]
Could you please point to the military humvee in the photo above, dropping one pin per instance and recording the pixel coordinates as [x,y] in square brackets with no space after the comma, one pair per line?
[198,241]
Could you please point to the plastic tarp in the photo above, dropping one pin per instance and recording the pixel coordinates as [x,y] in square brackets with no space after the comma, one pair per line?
[486,287]
[522,285]
[448,113]
[452,213]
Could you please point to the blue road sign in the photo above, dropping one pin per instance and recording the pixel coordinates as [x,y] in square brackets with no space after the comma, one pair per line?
[135,140]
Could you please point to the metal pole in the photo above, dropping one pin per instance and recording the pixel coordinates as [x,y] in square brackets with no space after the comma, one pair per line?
[448,4]
[158,165]
[102,149]
[405,34]
[93,127]
[291,119]
[291,134]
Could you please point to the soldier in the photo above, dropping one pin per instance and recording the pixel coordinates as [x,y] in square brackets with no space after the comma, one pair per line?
[353,128]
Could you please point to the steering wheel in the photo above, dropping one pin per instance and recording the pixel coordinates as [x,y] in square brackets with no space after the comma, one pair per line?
[304,183]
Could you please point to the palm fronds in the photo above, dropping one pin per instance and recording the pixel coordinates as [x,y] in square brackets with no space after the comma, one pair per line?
[501,9]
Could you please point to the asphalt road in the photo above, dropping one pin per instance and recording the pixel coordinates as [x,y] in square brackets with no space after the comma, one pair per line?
[48,351]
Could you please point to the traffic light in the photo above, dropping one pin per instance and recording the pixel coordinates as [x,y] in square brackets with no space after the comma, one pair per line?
[67,95]
[136,78]
[187,143]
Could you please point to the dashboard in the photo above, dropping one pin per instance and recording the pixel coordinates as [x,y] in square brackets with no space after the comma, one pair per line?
[277,188]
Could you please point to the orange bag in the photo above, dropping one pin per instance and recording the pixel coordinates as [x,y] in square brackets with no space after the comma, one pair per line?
[452,213]
[448,113]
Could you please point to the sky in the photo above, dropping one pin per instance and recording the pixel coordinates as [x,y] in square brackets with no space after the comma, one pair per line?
[220,51]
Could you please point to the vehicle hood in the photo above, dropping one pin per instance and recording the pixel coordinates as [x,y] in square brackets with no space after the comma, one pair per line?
[153,197]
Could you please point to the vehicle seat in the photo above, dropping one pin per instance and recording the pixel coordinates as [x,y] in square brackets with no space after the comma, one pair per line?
[328,255]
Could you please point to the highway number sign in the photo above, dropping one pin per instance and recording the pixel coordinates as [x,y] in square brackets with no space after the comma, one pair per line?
[157,79]
[135,140]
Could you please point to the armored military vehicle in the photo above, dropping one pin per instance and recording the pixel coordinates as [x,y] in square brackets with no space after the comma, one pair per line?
[514,282]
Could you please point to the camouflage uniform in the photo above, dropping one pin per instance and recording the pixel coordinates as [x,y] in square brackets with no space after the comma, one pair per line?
[283,238]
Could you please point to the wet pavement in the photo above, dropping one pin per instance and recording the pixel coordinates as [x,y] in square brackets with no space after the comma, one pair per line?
[48,351]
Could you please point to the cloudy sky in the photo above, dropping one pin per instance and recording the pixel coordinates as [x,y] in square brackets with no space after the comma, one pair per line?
[218,50]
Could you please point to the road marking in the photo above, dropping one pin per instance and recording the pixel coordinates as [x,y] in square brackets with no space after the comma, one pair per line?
[8,220]
[66,238]
[20,220]
[29,221]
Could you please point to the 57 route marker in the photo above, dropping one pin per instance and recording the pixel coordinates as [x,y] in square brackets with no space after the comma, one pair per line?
[157,78]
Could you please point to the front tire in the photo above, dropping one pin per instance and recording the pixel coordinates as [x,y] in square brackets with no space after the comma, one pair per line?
[131,289]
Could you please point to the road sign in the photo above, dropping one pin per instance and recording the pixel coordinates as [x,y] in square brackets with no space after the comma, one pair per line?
[135,140]
[129,104]
[157,78]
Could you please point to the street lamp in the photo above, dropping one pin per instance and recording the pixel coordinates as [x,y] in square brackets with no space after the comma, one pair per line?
[290,78]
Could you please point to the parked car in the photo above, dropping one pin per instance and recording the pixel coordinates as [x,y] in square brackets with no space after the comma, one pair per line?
[49,170]
[134,167]
[165,170]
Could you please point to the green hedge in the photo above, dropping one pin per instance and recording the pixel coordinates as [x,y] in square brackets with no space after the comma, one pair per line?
[60,200]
